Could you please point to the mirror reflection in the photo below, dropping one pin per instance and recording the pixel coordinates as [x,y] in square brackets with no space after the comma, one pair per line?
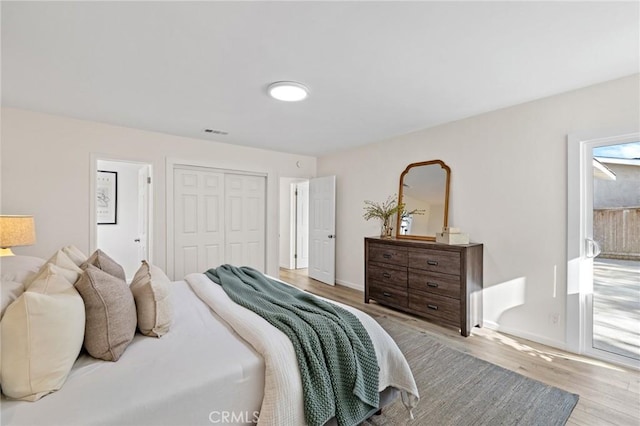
[424,189]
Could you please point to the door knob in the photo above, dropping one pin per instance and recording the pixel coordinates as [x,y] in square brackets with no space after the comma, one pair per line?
[331,236]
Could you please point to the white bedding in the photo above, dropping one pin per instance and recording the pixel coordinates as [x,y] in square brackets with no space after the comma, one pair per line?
[184,378]
[187,379]
[283,404]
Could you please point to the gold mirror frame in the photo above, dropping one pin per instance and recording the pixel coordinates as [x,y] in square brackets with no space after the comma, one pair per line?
[446,199]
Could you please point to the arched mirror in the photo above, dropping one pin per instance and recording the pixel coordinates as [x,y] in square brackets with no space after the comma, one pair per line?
[424,189]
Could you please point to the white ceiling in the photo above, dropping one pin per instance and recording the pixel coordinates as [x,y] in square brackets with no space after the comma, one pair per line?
[375,69]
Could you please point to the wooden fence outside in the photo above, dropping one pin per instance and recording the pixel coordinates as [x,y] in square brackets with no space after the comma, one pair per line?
[618,232]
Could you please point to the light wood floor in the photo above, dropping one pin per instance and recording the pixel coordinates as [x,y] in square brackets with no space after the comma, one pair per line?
[609,394]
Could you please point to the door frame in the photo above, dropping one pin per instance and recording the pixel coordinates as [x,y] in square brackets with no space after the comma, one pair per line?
[93,222]
[272,210]
[579,330]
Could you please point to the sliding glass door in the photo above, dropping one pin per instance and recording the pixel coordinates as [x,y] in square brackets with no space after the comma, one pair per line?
[603,305]
[615,208]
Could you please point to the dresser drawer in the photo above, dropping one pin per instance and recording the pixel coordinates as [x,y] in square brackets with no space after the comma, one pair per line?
[388,294]
[443,308]
[388,274]
[383,253]
[434,282]
[447,262]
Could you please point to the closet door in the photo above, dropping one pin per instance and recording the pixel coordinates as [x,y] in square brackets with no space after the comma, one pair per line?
[245,220]
[198,220]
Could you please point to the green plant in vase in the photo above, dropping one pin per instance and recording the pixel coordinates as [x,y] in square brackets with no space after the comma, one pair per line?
[383,211]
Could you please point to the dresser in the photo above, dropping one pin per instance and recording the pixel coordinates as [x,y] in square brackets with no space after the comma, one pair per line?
[439,282]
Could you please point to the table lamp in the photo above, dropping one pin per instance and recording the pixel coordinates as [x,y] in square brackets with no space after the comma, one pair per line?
[16,231]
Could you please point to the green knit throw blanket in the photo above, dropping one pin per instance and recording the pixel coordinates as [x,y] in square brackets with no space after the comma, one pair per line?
[335,355]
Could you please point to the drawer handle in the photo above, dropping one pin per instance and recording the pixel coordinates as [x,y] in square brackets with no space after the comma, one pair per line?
[387,256]
[431,284]
[386,275]
[432,262]
[434,307]
[385,294]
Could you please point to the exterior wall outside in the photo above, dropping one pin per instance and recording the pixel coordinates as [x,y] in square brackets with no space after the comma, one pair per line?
[622,192]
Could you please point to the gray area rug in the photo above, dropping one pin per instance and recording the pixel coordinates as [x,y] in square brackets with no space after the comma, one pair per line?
[459,389]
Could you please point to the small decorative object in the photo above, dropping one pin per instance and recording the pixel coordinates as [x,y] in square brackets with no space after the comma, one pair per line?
[384,212]
[107,197]
[452,236]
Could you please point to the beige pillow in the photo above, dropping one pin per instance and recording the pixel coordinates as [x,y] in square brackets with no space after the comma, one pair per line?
[100,260]
[70,275]
[110,311]
[42,333]
[74,253]
[151,289]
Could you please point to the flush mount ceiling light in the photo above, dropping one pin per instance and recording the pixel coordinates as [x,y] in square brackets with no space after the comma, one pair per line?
[288,91]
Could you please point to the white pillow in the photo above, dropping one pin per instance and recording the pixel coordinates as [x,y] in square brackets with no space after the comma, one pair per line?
[9,291]
[42,334]
[20,268]
[69,275]
[74,253]
[151,289]
[65,267]
[16,270]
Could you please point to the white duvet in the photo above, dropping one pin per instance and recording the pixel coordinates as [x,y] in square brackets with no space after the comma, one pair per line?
[282,402]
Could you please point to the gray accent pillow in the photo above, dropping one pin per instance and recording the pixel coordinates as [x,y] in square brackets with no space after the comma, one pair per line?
[110,313]
[100,260]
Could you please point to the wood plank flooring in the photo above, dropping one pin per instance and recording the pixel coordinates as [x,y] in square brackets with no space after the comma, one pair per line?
[609,394]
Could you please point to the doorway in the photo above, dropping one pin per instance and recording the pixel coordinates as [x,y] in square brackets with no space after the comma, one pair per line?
[294,224]
[122,212]
[310,217]
[603,301]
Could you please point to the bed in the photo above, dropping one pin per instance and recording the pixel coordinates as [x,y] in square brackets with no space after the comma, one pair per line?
[201,372]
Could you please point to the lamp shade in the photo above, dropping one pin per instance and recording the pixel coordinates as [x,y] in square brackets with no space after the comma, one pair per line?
[17,231]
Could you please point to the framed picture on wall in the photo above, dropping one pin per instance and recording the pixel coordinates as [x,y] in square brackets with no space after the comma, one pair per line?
[107,197]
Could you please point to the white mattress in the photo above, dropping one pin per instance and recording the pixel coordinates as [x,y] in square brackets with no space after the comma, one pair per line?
[187,379]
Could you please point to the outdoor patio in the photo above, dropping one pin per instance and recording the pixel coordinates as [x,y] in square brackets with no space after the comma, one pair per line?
[616,304]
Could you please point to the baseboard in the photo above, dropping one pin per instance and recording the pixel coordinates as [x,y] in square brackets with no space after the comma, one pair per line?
[350,285]
[524,335]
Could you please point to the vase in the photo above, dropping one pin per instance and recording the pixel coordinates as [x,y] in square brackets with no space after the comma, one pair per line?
[386,229]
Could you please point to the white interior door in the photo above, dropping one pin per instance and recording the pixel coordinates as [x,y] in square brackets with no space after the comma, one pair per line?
[302,225]
[245,220]
[322,229]
[198,220]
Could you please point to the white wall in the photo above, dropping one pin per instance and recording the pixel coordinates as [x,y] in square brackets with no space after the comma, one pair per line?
[46,170]
[508,191]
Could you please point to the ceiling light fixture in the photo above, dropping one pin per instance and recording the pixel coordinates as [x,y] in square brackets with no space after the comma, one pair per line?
[288,91]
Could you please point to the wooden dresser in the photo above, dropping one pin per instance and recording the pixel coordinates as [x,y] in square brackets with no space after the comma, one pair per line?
[439,282]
